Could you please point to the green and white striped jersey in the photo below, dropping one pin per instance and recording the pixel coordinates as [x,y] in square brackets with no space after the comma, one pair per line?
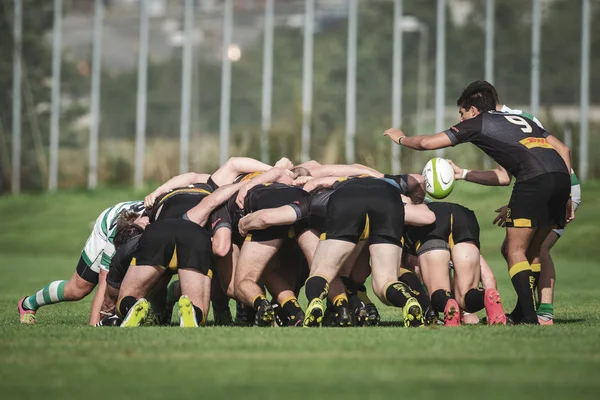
[110,216]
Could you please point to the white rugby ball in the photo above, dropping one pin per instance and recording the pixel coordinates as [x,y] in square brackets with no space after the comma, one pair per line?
[439,178]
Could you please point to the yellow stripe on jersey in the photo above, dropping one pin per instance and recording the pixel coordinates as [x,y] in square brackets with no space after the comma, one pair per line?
[173,263]
[532,142]
[183,190]
[251,176]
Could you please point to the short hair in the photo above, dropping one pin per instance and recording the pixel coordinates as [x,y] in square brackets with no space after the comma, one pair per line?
[300,171]
[480,85]
[479,97]
[126,228]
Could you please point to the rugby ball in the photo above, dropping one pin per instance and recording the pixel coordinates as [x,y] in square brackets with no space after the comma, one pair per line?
[439,178]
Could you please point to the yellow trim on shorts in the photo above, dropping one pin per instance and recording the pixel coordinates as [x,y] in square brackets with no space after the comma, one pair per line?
[323,236]
[173,263]
[451,237]
[536,267]
[366,231]
[248,237]
[519,267]
[522,223]
[133,261]
[209,273]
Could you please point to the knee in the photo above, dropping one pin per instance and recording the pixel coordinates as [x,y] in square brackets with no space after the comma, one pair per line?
[221,247]
[78,289]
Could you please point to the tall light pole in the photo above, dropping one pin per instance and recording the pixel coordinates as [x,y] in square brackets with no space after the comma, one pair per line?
[351,81]
[267,82]
[226,82]
[16,91]
[584,100]
[186,86]
[440,70]
[307,77]
[55,108]
[397,81]
[536,39]
[489,40]
[95,102]
[140,123]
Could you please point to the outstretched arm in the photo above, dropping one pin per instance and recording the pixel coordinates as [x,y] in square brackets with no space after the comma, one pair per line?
[235,166]
[418,215]
[176,182]
[281,175]
[262,219]
[200,213]
[422,142]
[344,170]
[492,177]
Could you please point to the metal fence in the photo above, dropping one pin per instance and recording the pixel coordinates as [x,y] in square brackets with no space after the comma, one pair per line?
[163,87]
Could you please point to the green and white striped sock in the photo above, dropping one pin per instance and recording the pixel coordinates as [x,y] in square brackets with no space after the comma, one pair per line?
[53,293]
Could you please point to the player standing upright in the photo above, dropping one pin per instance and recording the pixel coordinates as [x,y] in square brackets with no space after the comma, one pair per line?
[540,197]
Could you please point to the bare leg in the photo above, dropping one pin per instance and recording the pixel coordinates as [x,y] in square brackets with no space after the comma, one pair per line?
[254,257]
[98,298]
[548,273]
[196,286]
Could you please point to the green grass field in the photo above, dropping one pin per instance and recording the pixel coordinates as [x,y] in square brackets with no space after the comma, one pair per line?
[61,357]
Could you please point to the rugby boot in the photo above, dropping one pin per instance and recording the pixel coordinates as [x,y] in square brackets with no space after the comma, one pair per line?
[431,317]
[244,316]
[297,320]
[265,316]
[358,311]
[314,313]
[137,314]
[493,308]
[452,313]
[373,314]
[223,317]
[112,320]
[187,313]
[413,314]
[26,316]
[152,319]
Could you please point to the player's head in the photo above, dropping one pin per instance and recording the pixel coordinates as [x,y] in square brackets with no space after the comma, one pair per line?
[474,101]
[129,225]
[480,85]
[299,171]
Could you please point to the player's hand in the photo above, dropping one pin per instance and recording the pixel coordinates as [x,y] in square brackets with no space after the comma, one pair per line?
[458,171]
[302,180]
[242,225]
[150,199]
[570,211]
[241,197]
[500,219]
[284,163]
[394,134]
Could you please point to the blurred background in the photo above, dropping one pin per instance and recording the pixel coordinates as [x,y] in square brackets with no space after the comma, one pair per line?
[126,92]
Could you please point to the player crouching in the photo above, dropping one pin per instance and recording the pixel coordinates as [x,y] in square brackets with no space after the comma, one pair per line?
[176,245]
[454,236]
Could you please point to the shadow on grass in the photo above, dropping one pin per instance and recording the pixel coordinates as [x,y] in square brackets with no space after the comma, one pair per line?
[568,321]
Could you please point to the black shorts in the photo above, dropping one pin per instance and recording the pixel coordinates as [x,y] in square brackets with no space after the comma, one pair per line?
[453,224]
[86,273]
[365,209]
[272,196]
[173,244]
[539,201]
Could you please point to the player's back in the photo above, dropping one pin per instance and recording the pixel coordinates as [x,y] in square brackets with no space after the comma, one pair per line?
[518,144]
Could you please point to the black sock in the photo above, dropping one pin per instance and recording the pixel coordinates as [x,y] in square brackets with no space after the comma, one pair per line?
[125,305]
[316,286]
[474,300]
[416,288]
[523,282]
[258,301]
[439,298]
[352,288]
[291,306]
[397,294]
[199,316]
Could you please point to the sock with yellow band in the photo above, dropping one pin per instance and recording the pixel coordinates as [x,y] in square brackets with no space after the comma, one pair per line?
[397,294]
[340,300]
[292,307]
[258,301]
[316,286]
[412,281]
[522,280]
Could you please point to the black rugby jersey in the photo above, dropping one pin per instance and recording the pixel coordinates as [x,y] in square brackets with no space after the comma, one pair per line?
[177,202]
[120,262]
[515,142]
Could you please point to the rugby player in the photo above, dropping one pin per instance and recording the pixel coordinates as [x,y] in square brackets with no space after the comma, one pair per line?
[525,151]
[174,244]
[92,267]
[543,271]
[453,237]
